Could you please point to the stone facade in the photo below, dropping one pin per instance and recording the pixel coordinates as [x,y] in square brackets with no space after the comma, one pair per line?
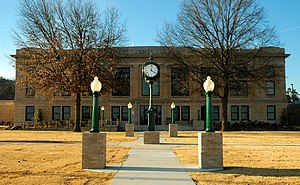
[173,130]
[151,137]
[210,151]
[191,108]
[7,109]
[129,130]
[93,150]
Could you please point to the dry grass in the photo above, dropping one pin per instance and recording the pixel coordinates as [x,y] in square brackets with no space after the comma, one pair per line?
[42,157]
[249,158]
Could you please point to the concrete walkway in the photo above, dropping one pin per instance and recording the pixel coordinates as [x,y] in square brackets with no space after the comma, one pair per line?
[151,164]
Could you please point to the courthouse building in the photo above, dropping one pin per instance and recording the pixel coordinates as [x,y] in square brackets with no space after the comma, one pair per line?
[253,103]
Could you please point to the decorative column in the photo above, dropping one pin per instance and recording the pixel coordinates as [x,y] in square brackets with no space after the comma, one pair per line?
[93,142]
[210,143]
[173,128]
[129,126]
[103,121]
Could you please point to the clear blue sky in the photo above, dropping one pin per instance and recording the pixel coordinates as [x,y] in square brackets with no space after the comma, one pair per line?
[144,18]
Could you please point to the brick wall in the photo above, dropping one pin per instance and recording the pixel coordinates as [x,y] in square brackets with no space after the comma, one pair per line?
[7,108]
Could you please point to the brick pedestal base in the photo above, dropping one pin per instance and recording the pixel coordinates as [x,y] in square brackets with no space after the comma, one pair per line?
[173,130]
[129,130]
[93,150]
[151,137]
[210,151]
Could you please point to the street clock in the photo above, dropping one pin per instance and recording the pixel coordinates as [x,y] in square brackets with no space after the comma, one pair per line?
[151,71]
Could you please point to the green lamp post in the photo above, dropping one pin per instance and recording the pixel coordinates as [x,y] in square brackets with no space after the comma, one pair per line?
[96,88]
[209,86]
[172,112]
[102,109]
[129,112]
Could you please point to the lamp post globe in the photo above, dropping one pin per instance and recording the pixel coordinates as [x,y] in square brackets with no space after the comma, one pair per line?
[96,88]
[209,86]
[96,85]
[129,106]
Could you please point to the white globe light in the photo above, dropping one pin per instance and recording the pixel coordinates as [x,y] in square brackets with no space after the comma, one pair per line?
[129,105]
[96,85]
[173,105]
[209,85]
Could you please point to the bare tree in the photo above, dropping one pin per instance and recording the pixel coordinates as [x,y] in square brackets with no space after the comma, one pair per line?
[7,89]
[292,95]
[67,44]
[222,38]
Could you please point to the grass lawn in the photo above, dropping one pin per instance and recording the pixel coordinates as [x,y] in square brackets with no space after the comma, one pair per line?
[50,157]
[249,158]
[54,157]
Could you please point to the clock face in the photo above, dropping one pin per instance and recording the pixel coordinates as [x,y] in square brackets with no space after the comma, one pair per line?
[150,70]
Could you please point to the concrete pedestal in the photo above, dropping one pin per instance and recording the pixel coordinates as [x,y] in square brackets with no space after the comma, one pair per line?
[210,151]
[151,137]
[129,130]
[198,125]
[93,150]
[173,130]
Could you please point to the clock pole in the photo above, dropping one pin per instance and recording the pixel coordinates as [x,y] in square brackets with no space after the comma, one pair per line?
[151,126]
[151,75]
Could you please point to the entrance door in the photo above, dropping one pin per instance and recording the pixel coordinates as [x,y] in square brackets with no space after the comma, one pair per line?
[144,114]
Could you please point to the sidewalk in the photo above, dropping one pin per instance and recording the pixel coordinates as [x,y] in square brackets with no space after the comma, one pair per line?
[151,164]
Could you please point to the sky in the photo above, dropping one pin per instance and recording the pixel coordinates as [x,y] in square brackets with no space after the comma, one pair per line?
[145,17]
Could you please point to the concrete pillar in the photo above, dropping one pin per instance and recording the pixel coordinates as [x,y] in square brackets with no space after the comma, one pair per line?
[151,137]
[173,130]
[210,151]
[129,130]
[93,150]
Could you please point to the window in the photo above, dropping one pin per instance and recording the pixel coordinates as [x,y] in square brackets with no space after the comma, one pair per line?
[244,113]
[208,71]
[198,114]
[179,82]
[177,113]
[122,76]
[216,114]
[29,113]
[242,73]
[271,112]
[234,113]
[86,113]
[238,88]
[145,88]
[115,113]
[144,114]
[270,88]
[55,113]
[66,112]
[270,72]
[30,91]
[185,113]
[124,113]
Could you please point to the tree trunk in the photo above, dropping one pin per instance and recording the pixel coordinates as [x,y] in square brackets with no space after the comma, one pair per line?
[224,100]
[77,126]
[224,114]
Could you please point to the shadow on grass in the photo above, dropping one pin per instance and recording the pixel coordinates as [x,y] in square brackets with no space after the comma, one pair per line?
[176,143]
[260,171]
[37,142]
[186,137]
